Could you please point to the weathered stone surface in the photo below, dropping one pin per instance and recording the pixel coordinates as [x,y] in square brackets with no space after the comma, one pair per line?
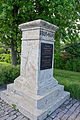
[35,92]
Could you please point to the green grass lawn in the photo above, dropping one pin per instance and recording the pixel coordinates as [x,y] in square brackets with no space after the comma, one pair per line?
[70,80]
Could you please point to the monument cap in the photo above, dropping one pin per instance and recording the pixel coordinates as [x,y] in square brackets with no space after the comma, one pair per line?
[37,23]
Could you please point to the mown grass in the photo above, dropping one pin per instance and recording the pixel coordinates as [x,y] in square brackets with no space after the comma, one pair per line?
[70,80]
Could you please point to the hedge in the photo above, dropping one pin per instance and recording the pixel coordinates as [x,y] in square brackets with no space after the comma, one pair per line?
[65,64]
[8,73]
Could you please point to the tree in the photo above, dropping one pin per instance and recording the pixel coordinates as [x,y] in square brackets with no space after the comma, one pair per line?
[13,12]
[63,13]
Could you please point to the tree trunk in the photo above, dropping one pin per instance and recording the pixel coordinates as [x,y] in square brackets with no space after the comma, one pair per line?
[13,56]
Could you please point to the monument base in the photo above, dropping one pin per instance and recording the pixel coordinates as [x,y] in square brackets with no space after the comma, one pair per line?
[35,107]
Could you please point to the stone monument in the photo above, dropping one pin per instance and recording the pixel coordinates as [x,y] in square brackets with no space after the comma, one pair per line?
[36,92]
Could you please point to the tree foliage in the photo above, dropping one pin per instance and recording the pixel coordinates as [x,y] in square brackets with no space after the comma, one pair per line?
[63,13]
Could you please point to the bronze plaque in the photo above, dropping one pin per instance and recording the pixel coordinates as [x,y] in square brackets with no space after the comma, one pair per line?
[46,56]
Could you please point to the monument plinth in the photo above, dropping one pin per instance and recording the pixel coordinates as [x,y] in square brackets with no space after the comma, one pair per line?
[36,92]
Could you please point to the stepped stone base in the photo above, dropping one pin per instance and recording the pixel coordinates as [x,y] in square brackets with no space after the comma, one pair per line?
[33,106]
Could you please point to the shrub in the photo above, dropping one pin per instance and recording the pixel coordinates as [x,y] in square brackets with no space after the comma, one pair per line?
[68,64]
[8,73]
[76,65]
[59,62]
[5,58]
[73,65]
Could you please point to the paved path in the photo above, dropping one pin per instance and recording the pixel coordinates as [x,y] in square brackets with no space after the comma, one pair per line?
[70,110]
